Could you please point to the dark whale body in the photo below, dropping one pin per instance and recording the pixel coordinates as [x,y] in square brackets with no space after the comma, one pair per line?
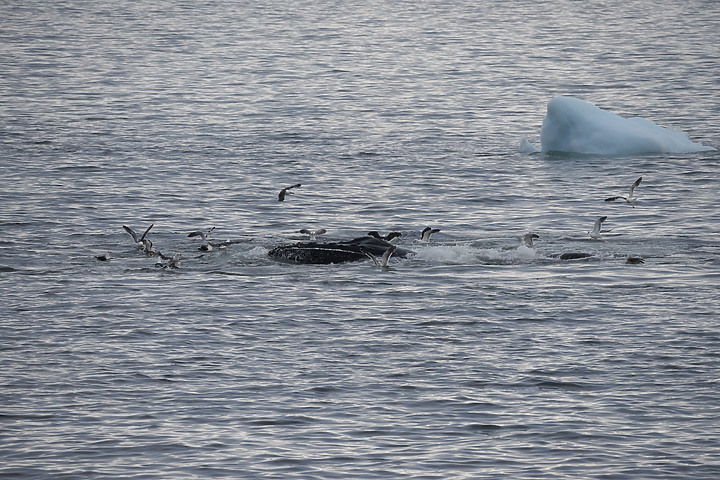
[336,252]
[574,256]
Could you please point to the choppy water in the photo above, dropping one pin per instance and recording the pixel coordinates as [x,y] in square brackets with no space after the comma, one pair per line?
[475,358]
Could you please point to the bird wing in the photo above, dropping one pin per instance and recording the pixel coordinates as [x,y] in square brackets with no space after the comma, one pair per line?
[197,233]
[632,187]
[612,199]
[370,256]
[132,233]
[146,232]
[386,256]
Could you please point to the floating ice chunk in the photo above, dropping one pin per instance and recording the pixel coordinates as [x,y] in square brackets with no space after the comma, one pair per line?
[572,125]
[527,147]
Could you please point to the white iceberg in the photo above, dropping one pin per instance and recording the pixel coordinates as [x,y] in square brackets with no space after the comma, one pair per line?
[527,147]
[572,125]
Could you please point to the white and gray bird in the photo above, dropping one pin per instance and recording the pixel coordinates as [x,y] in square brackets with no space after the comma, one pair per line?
[172,262]
[383,262]
[427,231]
[597,228]
[528,239]
[208,246]
[631,198]
[386,256]
[387,237]
[286,191]
[142,242]
[313,233]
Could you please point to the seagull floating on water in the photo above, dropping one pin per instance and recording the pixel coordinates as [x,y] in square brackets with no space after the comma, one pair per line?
[634,260]
[208,246]
[173,262]
[286,191]
[142,242]
[313,233]
[596,231]
[528,238]
[387,237]
[631,198]
[104,257]
[427,231]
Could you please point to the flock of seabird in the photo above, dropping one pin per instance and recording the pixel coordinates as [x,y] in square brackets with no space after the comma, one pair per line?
[631,199]
[144,244]
[597,230]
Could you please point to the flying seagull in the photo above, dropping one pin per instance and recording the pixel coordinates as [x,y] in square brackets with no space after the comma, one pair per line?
[387,237]
[631,198]
[313,234]
[596,231]
[427,231]
[286,191]
[528,238]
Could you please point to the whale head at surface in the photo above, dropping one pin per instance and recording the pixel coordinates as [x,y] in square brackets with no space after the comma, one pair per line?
[572,125]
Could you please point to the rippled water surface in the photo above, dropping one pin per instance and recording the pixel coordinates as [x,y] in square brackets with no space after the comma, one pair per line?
[476,357]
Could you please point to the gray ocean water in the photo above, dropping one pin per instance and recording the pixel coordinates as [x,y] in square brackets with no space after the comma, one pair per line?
[476,357]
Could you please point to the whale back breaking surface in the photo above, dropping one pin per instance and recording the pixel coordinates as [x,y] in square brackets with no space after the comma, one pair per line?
[334,252]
